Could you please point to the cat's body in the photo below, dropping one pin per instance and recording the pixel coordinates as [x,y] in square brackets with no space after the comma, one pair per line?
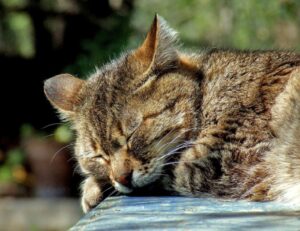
[221,123]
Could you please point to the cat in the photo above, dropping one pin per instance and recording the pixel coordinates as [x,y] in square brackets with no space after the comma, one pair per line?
[219,123]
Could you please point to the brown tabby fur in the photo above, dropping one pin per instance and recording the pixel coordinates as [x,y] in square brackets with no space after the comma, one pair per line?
[220,122]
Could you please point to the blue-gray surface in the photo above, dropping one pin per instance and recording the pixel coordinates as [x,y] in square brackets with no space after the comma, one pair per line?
[180,213]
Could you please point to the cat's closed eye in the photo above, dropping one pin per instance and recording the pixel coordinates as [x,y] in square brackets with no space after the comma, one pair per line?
[97,157]
[118,142]
[100,158]
[116,145]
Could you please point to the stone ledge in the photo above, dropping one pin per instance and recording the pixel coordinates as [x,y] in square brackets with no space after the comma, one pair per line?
[183,213]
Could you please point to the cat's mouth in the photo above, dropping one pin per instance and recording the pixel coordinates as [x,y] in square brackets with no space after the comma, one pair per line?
[135,183]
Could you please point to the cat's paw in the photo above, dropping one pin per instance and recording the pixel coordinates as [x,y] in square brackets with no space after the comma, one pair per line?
[187,174]
[195,169]
[91,194]
[181,174]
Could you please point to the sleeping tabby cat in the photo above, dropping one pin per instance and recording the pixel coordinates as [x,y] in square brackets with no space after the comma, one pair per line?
[219,123]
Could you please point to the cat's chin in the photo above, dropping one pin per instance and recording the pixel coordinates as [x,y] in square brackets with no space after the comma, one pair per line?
[121,188]
[139,180]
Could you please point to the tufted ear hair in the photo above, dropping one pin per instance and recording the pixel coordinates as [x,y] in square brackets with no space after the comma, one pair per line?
[158,50]
[63,92]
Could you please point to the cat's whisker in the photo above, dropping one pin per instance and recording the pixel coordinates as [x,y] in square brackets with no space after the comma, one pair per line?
[159,174]
[166,135]
[86,155]
[157,145]
[111,194]
[71,159]
[177,162]
[173,151]
[169,155]
[109,188]
[117,194]
[47,136]
[76,170]
[61,149]
[50,125]
[113,191]
[174,140]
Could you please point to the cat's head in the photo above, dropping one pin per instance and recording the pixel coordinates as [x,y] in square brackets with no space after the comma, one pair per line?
[134,113]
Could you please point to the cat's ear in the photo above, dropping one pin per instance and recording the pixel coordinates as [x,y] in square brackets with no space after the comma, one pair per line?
[63,92]
[159,48]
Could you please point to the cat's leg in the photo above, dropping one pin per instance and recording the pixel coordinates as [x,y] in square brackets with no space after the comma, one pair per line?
[199,165]
[92,193]
[191,175]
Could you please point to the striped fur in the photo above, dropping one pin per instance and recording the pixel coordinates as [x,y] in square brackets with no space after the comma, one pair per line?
[220,122]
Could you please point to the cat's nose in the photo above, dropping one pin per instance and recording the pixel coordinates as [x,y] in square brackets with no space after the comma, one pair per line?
[125,179]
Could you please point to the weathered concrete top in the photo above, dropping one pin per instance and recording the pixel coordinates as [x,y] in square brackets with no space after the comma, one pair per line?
[179,213]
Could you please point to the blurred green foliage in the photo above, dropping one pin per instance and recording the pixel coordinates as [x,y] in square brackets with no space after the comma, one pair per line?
[256,24]
[17,30]
[12,168]
[15,157]
[14,3]
[14,160]
[63,134]
[220,23]
[102,47]
[20,33]
[26,131]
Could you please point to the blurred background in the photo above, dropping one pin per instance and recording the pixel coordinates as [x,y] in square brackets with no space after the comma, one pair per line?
[42,38]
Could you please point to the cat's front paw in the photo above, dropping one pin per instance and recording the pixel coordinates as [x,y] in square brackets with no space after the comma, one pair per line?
[195,170]
[182,176]
[188,174]
[91,194]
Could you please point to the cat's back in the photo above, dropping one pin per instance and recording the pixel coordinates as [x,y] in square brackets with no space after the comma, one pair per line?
[244,82]
[240,91]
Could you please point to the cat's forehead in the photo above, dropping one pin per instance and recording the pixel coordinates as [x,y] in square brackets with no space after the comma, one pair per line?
[101,112]
[110,69]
